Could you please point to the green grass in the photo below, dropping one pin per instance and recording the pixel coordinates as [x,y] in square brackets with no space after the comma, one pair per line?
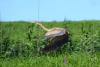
[20,42]
[66,60]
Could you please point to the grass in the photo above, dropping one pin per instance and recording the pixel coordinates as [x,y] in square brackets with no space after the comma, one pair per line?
[77,59]
[20,42]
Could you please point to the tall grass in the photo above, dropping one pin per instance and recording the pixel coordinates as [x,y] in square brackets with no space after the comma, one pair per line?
[20,45]
[66,60]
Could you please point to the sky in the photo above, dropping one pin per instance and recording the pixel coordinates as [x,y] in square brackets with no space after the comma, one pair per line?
[49,10]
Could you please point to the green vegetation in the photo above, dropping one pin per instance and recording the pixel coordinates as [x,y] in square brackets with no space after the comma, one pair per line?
[72,60]
[20,44]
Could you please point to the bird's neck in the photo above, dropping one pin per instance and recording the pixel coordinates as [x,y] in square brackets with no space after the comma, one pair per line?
[43,27]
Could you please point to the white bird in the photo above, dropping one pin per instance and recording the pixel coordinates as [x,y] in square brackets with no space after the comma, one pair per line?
[58,37]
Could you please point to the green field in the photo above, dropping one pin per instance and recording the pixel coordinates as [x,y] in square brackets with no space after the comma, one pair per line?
[20,44]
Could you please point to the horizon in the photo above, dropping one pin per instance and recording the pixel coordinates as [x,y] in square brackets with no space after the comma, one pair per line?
[44,20]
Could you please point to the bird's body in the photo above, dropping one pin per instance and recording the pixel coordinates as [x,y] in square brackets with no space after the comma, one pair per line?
[55,31]
[55,38]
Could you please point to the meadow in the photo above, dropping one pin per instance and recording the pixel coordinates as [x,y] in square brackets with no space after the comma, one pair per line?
[20,44]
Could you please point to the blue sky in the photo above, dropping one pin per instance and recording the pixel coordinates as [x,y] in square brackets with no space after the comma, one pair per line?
[27,10]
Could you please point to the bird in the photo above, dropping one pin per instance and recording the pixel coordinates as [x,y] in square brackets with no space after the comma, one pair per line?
[56,37]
